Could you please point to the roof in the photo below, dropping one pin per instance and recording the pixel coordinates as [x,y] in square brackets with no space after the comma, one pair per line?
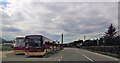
[20,37]
[34,35]
[37,35]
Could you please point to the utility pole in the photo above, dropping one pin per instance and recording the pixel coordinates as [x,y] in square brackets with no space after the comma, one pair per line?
[84,38]
[62,41]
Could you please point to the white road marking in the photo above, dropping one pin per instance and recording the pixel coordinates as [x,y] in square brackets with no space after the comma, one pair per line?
[61,56]
[87,58]
[102,55]
[59,59]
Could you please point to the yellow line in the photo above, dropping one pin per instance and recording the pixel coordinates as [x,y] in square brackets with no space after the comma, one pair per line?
[87,58]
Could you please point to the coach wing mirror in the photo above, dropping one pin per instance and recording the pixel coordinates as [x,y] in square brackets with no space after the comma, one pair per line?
[46,42]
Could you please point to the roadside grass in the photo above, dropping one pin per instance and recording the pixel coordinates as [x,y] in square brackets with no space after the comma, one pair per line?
[50,54]
[105,53]
[6,48]
[0,47]
[110,54]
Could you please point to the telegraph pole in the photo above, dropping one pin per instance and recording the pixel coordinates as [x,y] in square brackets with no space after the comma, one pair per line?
[84,38]
[62,41]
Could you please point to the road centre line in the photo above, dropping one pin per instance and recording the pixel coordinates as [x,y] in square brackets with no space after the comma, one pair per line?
[87,58]
[61,56]
[59,59]
[61,53]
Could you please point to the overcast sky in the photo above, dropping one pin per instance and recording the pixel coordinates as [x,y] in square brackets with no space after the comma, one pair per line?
[51,19]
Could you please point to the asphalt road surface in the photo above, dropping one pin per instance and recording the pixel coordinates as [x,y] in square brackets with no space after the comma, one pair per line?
[67,54]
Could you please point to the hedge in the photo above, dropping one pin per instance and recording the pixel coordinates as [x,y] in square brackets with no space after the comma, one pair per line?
[6,48]
[110,49]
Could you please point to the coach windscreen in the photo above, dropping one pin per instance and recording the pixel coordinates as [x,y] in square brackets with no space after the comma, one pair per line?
[19,42]
[34,41]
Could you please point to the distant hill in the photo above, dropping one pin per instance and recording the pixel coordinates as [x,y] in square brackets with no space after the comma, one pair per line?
[4,41]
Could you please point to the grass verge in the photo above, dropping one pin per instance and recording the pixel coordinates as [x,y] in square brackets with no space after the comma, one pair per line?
[6,48]
[110,54]
[50,54]
[105,53]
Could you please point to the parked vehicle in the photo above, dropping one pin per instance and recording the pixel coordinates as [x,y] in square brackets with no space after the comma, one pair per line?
[19,45]
[38,45]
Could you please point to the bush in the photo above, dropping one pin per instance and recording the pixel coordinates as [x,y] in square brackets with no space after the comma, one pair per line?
[51,53]
[110,49]
[110,54]
[6,48]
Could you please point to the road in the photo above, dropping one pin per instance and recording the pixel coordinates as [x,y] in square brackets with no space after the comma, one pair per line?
[67,54]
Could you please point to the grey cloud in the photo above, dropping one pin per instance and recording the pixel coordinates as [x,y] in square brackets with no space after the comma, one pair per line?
[12,20]
[4,15]
[89,25]
[75,18]
[10,29]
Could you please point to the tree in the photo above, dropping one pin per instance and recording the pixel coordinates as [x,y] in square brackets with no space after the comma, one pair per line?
[109,35]
[116,40]
[101,41]
[111,31]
